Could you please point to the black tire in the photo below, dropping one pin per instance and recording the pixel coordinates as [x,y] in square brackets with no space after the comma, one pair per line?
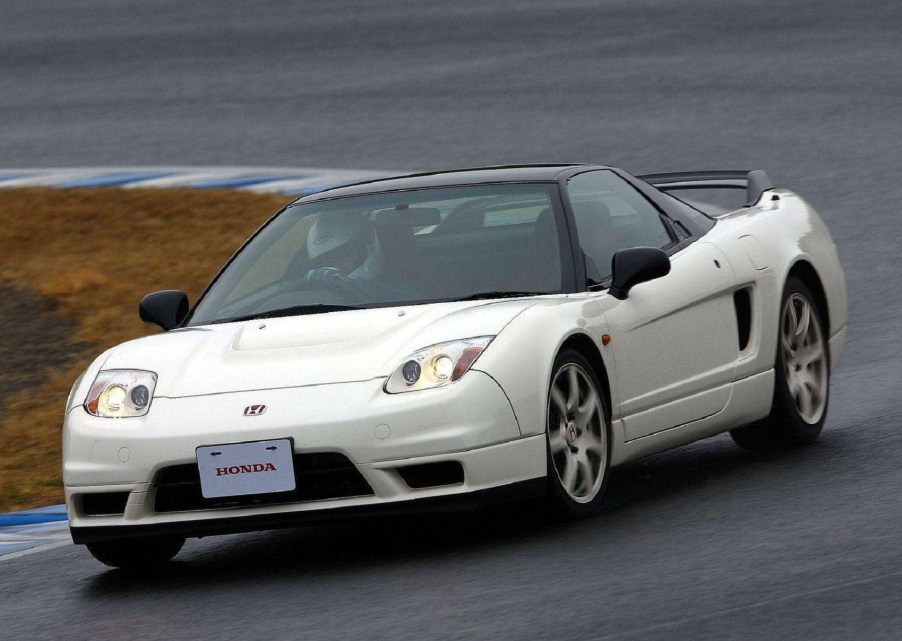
[136,554]
[785,427]
[560,500]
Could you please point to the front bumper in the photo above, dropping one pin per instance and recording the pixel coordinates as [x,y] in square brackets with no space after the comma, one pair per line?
[470,423]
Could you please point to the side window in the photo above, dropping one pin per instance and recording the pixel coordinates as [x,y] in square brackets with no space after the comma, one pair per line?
[611,215]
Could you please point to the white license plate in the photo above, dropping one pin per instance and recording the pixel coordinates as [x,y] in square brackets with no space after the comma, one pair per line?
[259,467]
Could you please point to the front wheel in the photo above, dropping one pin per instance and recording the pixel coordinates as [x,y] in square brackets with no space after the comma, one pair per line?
[802,373]
[136,554]
[578,437]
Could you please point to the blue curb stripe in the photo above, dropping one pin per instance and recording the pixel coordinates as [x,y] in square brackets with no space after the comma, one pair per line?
[31,517]
[236,182]
[114,180]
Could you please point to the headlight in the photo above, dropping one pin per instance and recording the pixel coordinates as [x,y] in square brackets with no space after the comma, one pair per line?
[436,365]
[120,393]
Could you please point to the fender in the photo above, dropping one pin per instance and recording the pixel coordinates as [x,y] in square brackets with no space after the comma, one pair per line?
[520,358]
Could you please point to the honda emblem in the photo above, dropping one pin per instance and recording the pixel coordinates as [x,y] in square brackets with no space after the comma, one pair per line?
[254,410]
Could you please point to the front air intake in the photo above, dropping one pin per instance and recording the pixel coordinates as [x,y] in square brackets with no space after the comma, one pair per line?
[104,503]
[432,474]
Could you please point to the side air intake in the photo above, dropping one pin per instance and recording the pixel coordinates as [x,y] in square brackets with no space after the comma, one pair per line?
[742,300]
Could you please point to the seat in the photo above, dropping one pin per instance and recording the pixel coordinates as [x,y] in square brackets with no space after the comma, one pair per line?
[399,259]
[401,264]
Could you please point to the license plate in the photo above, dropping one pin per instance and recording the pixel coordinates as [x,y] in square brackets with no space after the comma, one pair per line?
[238,469]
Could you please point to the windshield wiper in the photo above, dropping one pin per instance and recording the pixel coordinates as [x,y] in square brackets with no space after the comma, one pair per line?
[500,294]
[297,310]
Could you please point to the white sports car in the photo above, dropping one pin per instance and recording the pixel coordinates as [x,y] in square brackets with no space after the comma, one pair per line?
[450,338]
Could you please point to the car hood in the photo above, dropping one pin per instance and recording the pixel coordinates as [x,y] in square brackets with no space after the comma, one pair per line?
[314,349]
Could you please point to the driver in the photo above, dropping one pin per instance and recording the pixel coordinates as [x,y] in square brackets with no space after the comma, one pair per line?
[345,253]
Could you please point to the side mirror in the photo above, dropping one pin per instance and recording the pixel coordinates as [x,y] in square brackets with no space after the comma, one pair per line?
[167,308]
[637,265]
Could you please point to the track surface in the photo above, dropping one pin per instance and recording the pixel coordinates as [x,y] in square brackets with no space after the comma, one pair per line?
[703,542]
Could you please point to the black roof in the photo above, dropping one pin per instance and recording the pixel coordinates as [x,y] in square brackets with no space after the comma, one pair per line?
[451,177]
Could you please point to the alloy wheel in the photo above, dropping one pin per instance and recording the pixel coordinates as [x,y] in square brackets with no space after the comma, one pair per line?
[804,358]
[577,434]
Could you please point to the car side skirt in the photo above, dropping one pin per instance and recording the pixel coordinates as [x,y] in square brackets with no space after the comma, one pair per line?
[750,400]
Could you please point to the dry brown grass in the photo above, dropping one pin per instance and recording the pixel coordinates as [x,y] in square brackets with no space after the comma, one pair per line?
[96,252]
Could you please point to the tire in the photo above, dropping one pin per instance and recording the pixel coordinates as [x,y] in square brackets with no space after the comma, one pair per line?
[136,554]
[577,437]
[802,377]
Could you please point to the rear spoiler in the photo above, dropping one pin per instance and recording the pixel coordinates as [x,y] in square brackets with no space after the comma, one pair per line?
[755,182]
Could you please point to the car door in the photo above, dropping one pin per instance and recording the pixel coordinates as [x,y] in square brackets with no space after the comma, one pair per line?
[673,339]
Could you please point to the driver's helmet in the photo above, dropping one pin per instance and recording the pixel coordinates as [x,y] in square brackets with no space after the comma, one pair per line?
[345,241]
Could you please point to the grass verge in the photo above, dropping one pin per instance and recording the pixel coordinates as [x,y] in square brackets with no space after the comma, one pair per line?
[94,253]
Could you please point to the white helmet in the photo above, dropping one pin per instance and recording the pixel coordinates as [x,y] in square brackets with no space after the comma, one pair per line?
[344,237]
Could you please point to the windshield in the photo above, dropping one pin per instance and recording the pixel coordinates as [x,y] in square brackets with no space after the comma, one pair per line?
[427,245]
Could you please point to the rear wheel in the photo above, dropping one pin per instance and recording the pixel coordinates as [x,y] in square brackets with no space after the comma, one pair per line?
[136,554]
[578,437]
[802,385]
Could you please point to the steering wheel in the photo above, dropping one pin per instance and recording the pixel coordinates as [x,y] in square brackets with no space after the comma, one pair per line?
[336,283]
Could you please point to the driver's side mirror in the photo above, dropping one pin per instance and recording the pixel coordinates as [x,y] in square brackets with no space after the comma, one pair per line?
[167,308]
[636,265]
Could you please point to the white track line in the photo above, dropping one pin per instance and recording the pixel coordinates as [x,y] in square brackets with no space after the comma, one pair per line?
[35,550]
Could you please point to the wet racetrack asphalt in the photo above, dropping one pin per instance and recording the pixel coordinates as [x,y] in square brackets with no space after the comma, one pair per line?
[704,542]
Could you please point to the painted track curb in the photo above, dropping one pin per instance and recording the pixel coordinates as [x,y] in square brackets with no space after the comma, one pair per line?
[284,180]
[28,531]
[33,517]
